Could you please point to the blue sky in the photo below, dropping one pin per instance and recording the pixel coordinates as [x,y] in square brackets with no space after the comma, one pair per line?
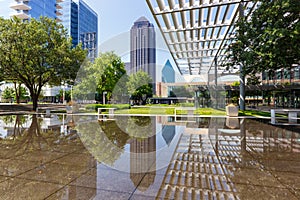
[115,16]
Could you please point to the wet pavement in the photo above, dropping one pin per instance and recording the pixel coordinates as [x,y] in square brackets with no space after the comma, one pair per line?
[79,157]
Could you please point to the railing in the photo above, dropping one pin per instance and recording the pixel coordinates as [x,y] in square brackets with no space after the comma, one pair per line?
[292,116]
[106,116]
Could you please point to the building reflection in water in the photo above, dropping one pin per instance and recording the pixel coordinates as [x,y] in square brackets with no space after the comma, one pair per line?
[142,159]
[236,159]
[168,133]
[143,155]
[49,156]
[214,158]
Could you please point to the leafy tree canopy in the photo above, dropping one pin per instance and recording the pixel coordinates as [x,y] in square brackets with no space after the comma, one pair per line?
[17,95]
[36,53]
[269,40]
[139,86]
[253,80]
[182,91]
[8,93]
[112,69]
[101,76]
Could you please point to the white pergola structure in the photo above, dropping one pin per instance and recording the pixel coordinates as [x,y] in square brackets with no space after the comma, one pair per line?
[197,32]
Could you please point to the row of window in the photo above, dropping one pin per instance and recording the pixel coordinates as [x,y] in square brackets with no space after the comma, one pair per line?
[293,73]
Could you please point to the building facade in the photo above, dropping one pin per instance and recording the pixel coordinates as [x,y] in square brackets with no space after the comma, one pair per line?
[26,9]
[143,49]
[77,17]
[70,19]
[168,73]
[89,42]
[82,23]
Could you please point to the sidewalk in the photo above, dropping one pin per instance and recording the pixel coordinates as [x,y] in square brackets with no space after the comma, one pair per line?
[9,108]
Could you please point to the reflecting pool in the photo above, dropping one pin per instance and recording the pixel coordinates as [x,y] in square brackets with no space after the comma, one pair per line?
[146,157]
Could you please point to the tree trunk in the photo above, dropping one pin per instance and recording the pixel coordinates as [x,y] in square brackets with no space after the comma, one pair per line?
[17,92]
[34,101]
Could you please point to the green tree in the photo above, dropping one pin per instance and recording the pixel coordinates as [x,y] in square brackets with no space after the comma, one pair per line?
[112,69]
[8,93]
[182,91]
[253,80]
[275,26]
[36,53]
[20,92]
[266,40]
[101,76]
[67,95]
[139,86]
[269,40]
[17,93]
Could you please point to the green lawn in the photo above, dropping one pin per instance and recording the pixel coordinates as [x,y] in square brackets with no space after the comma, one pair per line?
[257,113]
[168,110]
[164,109]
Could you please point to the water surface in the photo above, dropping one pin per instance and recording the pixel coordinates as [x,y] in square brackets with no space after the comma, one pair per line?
[134,157]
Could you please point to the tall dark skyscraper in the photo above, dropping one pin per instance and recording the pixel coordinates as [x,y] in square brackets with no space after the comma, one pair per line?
[143,49]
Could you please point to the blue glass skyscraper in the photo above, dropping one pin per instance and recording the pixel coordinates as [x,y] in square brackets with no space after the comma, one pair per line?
[78,18]
[88,29]
[26,9]
[70,19]
[82,24]
[168,73]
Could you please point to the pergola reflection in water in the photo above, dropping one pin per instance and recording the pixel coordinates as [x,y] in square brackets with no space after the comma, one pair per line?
[220,158]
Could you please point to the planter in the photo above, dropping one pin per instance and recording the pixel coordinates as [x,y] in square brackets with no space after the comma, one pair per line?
[232,110]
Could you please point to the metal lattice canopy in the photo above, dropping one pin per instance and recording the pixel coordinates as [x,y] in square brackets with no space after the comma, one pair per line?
[197,32]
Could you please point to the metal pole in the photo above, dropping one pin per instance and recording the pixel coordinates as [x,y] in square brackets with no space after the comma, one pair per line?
[103,97]
[64,95]
[242,89]
[71,93]
[216,82]
[216,71]
[242,74]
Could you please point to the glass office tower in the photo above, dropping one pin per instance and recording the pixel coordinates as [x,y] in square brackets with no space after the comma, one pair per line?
[77,17]
[70,19]
[143,49]
[168,73]
[88,29]
[82,24]
[26,9]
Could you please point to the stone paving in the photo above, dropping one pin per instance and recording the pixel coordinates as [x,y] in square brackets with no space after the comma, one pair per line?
[259,162]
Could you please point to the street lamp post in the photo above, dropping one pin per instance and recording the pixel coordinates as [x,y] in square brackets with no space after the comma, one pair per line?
[103,98]
[63,100]
[242,68]
[71,93]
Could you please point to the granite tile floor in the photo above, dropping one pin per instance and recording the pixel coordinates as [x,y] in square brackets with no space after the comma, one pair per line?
[199,165]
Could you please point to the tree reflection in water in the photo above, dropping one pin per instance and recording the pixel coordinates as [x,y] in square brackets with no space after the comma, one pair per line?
[106,140]
[20,139]
[106,146]
[17,121]
[140,127]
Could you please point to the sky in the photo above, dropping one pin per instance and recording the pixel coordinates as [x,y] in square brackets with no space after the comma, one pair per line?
[115,18]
